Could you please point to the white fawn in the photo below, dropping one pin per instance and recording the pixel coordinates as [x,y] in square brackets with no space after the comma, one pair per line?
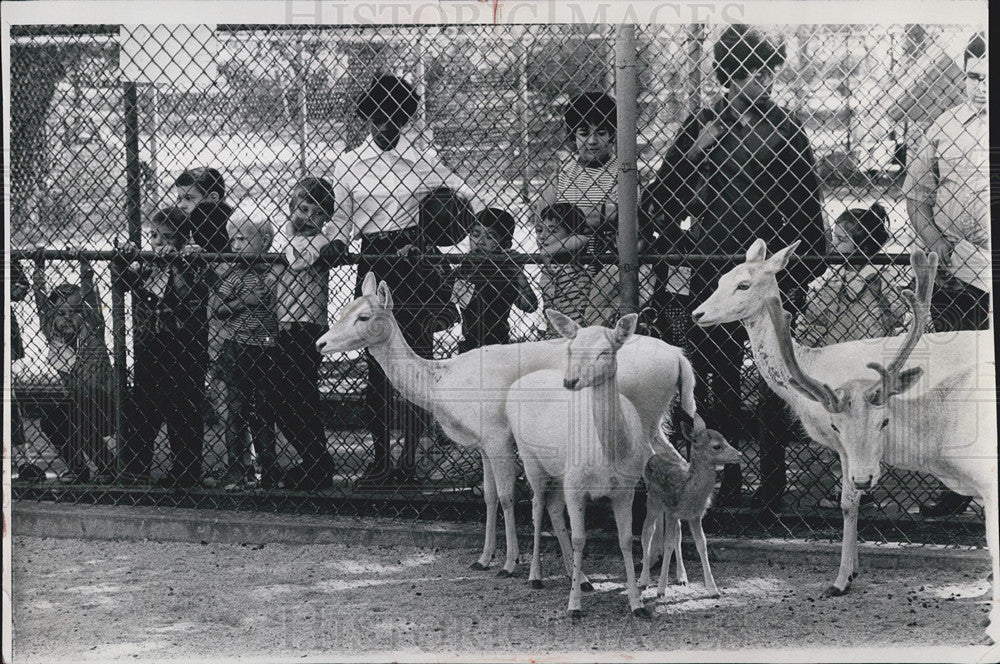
[466,393]
[742,295]
[947,429]
[579,437]
[676,493]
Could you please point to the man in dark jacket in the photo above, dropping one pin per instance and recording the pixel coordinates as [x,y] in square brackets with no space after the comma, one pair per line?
[741,169]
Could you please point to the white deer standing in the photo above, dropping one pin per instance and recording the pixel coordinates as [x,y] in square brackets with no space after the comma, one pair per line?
[466,393]
[682,492]
[588,442]
[742,294]
[947,429]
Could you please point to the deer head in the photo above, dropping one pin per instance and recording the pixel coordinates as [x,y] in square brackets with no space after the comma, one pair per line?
[366,321]
[592,350]
[742,290]
[858,408]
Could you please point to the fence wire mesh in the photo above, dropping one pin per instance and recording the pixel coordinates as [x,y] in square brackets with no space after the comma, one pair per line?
[195,205]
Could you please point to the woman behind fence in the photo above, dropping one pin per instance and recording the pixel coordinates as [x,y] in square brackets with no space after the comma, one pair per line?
[741,169]
[589,180]
[73,326]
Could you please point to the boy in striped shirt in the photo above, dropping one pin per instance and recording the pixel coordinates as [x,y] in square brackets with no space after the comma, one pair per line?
[249,332]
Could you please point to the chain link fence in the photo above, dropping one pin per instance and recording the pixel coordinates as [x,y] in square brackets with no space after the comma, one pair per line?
[131,144]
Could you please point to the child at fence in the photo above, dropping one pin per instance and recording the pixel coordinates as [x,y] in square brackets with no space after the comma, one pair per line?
[169,297]
[849,302]
[565,281]
[201,194]
[302,302]
[485,291]
[26,470]
[73,326]
[589,180]
[249,333]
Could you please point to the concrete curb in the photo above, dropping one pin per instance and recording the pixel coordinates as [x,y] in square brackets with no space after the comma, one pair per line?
[165,524]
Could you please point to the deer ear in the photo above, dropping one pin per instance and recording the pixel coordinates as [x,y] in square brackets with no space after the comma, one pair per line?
[625,328]
[369,284]
[757,251]
[384,295]
[779,260]
[562,323]
[907,379]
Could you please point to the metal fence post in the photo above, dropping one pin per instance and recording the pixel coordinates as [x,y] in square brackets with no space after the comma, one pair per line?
[628,178]
[133,182]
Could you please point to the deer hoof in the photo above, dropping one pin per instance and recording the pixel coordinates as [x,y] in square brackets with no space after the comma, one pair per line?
[478,566]
[575,615]
[834,591]
[504,574]
[536,584]
[659,594]
[643,613]
[587,587]
[715,595]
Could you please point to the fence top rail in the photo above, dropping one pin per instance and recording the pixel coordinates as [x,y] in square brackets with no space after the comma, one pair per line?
[520,258]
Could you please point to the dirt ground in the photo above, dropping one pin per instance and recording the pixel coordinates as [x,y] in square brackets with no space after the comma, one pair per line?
[105,601]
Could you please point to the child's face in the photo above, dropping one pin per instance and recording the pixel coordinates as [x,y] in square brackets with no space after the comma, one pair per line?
[549,229]
[482,240]
[843,241]
[246,241]
[308,217]
[163,238]
[189,197]
[751,85]
[67,319]
[594,143]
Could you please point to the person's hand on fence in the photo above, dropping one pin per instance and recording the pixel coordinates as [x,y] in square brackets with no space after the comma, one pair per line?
[191,249]
[707,137]
[39,258]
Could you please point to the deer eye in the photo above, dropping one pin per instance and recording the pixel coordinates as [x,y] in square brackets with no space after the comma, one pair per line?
[717,447]
[885,423]
[743,285]
[834,427]
[364,317]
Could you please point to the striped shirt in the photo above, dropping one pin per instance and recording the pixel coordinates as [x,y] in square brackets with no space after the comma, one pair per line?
[588,188]
[255,325]
[565,288]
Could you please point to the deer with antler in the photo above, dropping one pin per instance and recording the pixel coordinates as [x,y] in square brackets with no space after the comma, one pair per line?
[466,393]
[742,295]
[947,429]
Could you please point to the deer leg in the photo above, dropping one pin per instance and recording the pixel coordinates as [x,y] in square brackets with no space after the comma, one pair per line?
[698,533]
[993,544]
[681,572]
[538,501]
[849,499]
[652,527]
[557,506]
[490,496]
[505,472]
[621,504]
[671,548]
[578,530]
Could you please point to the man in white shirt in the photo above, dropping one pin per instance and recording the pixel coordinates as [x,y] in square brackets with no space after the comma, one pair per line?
[378,188]
[948,201]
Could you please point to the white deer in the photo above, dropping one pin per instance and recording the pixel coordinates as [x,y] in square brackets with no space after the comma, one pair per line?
[466,393]
[682,492]
[742,294]
[947,429]
[579,437]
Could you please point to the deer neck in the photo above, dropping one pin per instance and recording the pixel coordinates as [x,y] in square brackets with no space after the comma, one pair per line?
[698,487]
[767,356]
[609,419]
[411,375]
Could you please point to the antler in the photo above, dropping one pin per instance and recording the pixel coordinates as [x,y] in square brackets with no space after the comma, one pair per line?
[811,387]
[924,269]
